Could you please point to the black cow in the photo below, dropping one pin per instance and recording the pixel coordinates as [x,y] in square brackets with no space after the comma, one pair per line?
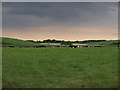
[11,46]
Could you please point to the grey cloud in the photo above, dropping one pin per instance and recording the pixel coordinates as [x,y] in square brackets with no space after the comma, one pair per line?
[56,9]
[60,1]
[70,14]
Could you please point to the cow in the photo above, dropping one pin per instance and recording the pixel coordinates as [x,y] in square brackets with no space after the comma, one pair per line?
[72,46]
[11,46]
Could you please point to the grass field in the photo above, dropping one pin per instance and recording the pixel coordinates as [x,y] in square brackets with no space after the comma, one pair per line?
[60,67]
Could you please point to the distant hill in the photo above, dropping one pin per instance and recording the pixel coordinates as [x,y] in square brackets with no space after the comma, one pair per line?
[108,42]
[17,42]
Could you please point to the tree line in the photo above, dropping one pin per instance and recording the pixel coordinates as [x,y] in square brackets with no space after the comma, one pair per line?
[64,42]
[61,41]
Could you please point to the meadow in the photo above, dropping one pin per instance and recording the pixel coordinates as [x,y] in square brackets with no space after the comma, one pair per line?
[94,67]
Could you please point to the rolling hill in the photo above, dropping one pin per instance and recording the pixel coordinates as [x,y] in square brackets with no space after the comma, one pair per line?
[17,42]
[108,42]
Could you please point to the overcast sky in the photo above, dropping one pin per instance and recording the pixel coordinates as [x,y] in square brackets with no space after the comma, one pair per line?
[60,20]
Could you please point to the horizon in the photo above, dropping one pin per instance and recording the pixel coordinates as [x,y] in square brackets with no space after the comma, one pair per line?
[67,21]
[61,39]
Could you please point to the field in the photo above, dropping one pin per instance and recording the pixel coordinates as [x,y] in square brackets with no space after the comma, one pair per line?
[94,67]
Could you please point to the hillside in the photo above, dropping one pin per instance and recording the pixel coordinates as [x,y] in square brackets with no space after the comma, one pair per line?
[109,42]
[17,42]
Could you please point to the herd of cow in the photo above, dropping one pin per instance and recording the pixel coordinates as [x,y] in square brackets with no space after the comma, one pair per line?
[71,46]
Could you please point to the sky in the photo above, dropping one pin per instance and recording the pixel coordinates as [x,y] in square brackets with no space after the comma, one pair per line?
[60,20]
[60,1]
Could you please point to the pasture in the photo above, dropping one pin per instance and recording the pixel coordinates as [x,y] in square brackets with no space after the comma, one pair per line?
[94,67]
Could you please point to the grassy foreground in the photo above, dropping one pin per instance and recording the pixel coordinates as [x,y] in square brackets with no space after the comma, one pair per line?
[60,67]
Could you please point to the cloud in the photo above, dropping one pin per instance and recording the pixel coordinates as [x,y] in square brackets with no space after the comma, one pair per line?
[67,14]
[60,1]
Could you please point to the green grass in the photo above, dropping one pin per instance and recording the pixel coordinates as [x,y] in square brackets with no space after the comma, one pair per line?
[60,67]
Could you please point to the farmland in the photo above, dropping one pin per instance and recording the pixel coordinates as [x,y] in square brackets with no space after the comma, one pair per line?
[94,67]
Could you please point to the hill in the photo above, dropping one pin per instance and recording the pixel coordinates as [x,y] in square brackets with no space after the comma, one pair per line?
[107,42]
[17,42]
